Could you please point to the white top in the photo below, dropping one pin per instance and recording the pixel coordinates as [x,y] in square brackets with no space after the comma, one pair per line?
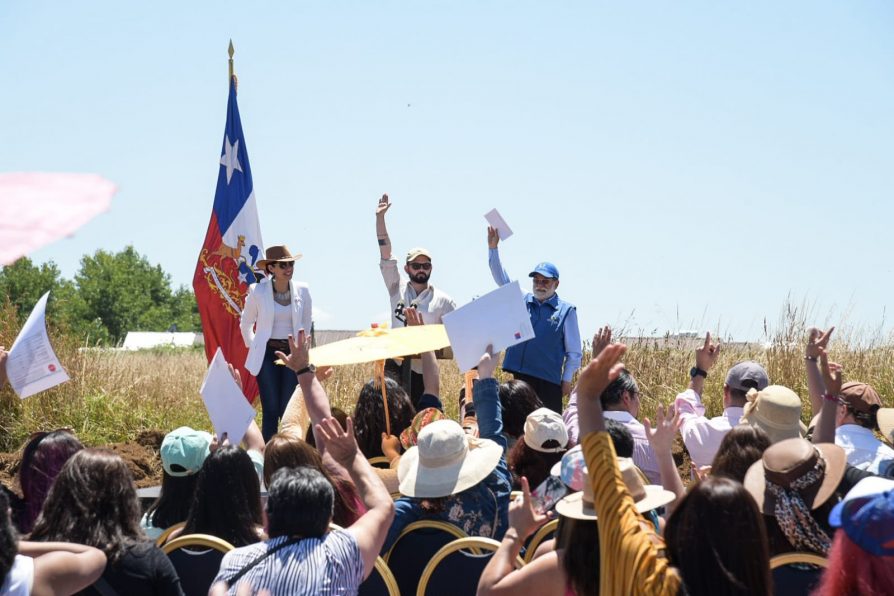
[863,450]
[20,578]
[643,455]
[258,315]
[282,321]
[431,303]
[701,435]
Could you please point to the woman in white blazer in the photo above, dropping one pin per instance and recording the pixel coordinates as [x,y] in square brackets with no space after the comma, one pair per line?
[275,308]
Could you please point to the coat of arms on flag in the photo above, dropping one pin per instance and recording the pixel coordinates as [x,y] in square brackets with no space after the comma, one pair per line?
[226,264]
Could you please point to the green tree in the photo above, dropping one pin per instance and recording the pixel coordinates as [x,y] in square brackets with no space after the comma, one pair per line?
[23,283]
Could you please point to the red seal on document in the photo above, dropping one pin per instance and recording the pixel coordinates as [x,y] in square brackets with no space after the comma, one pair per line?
[51,367]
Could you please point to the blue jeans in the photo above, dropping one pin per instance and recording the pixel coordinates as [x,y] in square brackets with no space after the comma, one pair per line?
[276,384]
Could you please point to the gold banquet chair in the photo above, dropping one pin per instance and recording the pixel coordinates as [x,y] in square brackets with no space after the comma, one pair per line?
[797,573]
[196,557]
[544,533]
[415,547]
[457,567]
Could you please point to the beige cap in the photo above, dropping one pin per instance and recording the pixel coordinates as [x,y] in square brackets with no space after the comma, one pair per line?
[418,252]
[544,426]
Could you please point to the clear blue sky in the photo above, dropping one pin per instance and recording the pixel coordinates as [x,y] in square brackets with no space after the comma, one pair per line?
[686,165]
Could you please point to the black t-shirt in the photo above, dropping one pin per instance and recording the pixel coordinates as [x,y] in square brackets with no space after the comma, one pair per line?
[143,570]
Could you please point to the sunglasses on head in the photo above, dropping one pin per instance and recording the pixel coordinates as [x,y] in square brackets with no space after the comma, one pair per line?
[418,266]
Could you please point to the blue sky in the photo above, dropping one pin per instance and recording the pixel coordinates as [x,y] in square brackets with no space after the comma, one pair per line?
[685,165]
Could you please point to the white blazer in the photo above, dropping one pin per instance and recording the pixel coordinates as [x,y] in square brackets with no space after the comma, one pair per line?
[257,318]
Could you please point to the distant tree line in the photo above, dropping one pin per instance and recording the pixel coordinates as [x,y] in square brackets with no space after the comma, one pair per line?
[111,294]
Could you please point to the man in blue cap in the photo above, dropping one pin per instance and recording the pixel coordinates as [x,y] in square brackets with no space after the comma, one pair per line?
[547,362]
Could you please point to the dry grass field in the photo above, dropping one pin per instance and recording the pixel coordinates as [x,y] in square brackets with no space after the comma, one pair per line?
[115,396]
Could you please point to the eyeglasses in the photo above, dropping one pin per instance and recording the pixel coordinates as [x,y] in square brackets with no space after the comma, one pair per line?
[418,266]
[285,264]
[542,281]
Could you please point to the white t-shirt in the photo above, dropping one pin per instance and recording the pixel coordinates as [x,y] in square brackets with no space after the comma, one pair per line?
[282,321]
[20,578]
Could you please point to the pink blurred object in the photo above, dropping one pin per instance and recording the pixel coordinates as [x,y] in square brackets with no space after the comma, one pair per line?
[38,208]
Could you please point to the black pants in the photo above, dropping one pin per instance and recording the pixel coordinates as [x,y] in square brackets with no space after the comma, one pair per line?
[549,393]
[417,385]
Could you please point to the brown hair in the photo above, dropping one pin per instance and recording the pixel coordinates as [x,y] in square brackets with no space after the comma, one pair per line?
[742,446]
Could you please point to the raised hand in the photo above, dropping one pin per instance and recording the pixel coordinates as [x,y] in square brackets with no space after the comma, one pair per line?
[601,371]
[706,356]
[235,374]
[324,372]
[390,446]
[832,376]
[339,443]
[522,515]
[414,317]
[667,423]
[817,341]
[299,352]
[493,237]
[601,339]
[383,206]
[487,364]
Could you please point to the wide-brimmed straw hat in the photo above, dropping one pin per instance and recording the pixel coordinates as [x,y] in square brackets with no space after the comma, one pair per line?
[777,411]
[276,254]
[579,505]
[786,462]
[446,461]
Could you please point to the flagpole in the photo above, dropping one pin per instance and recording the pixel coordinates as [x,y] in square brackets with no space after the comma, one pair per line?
[231,50]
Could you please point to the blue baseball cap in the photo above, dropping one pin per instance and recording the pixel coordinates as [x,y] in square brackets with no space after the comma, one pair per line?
[866,515]
[546,269]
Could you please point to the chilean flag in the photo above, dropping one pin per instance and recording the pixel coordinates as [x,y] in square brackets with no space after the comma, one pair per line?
[232,247]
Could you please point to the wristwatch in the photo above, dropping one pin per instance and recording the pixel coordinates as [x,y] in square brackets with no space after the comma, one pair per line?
[310,368]
[697,372]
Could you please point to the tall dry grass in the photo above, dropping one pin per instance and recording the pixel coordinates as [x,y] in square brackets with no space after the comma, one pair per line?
[113,396]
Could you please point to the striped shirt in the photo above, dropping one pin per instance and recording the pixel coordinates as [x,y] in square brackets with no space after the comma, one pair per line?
[328,565]
[629,560]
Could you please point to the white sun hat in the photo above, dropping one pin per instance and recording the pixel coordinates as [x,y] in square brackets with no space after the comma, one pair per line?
[446,461]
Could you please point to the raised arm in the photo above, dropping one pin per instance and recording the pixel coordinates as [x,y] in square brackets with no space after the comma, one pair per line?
[431,374]
[825,424]
[371,529]
[486,398]
[493,257]
[705,359]
[298,360]
[661,438]
[817,341]
[63,567]
[381,230]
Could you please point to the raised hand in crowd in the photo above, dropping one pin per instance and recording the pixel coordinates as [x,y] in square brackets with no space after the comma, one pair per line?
[338,442]
[390,447]
[493,237]
[4,356]
[299,352]
[817,341]
[824,425]
[414,318]
[661,438]
[593,380]
[383,206]
[487,364]
[601,339]
[381,229]
[705,359]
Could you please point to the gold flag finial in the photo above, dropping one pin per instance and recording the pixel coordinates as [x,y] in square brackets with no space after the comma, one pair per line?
[231,50]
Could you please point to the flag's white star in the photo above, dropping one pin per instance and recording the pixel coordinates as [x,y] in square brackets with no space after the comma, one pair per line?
[230,158]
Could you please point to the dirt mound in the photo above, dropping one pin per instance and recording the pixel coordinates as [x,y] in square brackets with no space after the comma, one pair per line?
[141,456]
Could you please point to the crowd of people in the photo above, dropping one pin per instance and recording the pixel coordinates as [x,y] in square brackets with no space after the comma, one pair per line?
[762,482]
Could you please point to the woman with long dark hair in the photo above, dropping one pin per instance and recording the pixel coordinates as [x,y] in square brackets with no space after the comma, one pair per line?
[369,415]
[740,448]
[227,501]
[286,451]
[42,457]
[93,502]
[276,307]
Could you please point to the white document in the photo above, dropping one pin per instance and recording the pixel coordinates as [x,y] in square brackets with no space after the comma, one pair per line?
[496,221]
[499,318]
[32,365]
[228,409]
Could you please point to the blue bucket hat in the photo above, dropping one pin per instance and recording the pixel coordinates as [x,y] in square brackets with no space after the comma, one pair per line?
[546,269]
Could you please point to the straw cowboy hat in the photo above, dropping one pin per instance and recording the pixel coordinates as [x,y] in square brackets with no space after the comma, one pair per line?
[579,505]
[445,461]
[276,254]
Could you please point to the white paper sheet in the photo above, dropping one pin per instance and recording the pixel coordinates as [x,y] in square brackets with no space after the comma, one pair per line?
[499,318]
[496,220]
[32,365]
[229,411]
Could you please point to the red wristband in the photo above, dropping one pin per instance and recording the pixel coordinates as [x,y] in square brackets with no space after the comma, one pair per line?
[830,397]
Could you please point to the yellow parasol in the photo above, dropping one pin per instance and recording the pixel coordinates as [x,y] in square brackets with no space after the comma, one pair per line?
[377,344]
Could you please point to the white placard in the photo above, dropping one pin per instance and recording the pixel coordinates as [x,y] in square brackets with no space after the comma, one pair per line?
[228,409]
[499,318]
[496,220]
[32,365]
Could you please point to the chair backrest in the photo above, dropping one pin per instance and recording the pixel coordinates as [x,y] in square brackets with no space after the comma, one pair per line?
[163,537]
[380,582]
[797,573]
[457,567]
[546,531]
[196,558]
[415,547]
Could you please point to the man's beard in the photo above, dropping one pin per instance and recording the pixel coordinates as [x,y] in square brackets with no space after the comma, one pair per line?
[420,277]
[543,294]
